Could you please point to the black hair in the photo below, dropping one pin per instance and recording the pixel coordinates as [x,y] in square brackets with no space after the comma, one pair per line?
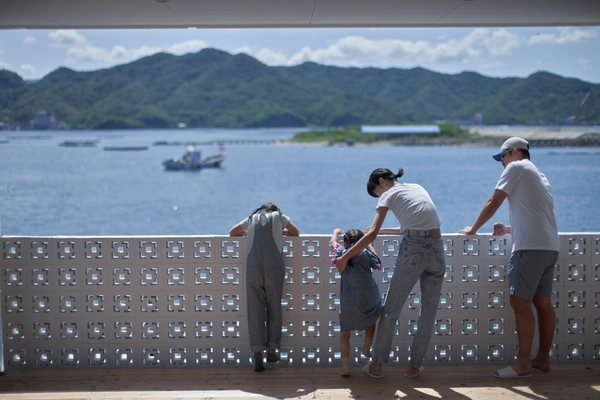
[381,173]
[269,207]
[351,236]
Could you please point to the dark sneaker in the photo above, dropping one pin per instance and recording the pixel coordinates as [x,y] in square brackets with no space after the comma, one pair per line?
[258,363]
[272,357]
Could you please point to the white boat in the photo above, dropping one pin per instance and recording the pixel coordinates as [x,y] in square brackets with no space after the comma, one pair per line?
[192,160]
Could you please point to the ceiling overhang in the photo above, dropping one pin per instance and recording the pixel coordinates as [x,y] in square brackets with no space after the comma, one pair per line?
[182,14]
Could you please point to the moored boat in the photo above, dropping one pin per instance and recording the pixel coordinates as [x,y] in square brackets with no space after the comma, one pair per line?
[192,160]
[125,148]
[79,143]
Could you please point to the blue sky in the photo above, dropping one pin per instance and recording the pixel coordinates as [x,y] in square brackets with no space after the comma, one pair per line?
[497,52]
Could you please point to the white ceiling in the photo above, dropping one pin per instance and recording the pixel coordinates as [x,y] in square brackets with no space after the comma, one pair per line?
[116,14]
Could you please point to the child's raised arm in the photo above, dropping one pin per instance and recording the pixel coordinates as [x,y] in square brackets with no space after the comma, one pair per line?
[291,230]
[237,230]
[334,237]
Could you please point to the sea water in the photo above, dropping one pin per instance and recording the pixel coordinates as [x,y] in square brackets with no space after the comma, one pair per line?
[47,189]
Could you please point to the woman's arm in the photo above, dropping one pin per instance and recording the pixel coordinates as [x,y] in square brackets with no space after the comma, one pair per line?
[342,261]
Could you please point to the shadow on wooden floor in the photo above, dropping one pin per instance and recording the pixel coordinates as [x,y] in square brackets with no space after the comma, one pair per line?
[472,382]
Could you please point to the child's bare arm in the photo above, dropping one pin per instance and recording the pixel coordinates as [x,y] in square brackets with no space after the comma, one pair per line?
[334,236]
[370,247]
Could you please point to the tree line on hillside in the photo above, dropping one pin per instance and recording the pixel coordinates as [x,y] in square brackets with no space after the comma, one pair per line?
[212,88]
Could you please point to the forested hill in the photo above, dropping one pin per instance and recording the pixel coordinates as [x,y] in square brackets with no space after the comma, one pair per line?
[212,88]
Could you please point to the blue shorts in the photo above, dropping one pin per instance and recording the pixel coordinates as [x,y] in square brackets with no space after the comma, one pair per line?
[530,273]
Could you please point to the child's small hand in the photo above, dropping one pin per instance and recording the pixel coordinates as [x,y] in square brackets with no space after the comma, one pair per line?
[333,240]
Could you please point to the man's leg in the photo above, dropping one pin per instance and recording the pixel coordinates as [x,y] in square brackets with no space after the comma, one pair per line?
[546,327]
[525,331]
[542,301]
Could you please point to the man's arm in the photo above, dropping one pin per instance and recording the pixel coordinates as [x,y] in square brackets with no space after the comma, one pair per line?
[487,212]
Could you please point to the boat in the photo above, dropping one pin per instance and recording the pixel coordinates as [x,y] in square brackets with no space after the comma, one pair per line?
[192,160]
[125,148]
[79,143]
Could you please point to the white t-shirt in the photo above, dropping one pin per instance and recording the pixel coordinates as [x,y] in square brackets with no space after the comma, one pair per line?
[412,205]
[530,206]
[280,221]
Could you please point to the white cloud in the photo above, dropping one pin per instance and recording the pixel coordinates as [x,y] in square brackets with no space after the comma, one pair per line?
[67,38]
[564,36]
[189,46]
[502,43]
[583,62]
[81,51]
[140,52]
[265,55]
[29,40]
[4,65]
[477,45]
[26,70]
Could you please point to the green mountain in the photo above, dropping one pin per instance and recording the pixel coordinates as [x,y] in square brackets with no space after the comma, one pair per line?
[212,88]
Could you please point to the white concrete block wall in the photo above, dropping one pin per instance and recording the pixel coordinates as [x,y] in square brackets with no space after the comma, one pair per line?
[134,302]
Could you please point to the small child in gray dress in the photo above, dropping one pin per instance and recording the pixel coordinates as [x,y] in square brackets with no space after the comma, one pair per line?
[360,300]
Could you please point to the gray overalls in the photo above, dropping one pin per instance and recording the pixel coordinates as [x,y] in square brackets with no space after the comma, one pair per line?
[264,285]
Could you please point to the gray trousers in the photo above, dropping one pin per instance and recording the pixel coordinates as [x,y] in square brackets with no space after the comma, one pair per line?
[265,273]
[419,258]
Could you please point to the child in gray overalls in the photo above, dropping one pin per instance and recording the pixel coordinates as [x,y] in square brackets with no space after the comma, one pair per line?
[265,272]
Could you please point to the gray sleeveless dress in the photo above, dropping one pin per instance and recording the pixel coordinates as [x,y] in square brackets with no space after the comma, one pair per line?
[360,300]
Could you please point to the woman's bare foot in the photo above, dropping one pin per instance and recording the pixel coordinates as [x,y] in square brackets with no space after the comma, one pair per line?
[373,369]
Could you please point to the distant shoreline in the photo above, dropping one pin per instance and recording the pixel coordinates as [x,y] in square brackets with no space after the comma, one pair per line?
[456,142]
[493,136]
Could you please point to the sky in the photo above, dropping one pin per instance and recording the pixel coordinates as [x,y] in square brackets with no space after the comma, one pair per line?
[496,52]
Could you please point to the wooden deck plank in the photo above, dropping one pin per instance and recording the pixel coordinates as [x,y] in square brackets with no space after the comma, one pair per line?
[471,382]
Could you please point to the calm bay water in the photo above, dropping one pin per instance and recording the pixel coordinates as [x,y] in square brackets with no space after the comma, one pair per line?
[47,189]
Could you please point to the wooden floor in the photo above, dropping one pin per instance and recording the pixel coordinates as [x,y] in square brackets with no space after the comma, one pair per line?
[473,382]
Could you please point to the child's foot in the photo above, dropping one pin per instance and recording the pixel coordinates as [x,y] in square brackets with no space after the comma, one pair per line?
[272,357]
[412,371]
[543,366]
[258,362]
[345,371]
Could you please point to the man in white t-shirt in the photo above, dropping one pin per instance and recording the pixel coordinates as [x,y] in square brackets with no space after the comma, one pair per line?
[535,247]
